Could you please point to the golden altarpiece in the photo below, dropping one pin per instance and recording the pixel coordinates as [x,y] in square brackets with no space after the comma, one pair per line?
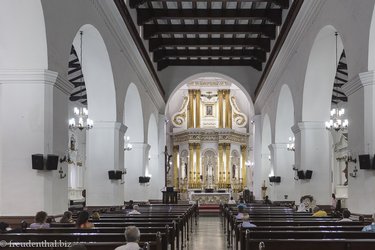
[210,140]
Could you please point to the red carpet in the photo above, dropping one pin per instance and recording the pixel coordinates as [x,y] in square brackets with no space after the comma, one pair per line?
[209,210]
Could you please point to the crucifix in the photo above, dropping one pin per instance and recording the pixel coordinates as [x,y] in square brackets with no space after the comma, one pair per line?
[167,165]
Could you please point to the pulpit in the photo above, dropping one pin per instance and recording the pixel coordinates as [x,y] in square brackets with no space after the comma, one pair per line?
[169,197]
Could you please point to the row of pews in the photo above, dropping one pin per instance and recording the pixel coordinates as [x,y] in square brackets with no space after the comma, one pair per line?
[281,228]
[161,226]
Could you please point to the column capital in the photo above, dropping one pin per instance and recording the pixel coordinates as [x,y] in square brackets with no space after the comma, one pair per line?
[359,81]
[175,147]
[300,126]
[275,146]
[243,147]
[110,125]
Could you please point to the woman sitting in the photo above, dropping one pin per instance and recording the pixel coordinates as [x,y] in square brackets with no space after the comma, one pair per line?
[40,221]
[67,217]
[83,220]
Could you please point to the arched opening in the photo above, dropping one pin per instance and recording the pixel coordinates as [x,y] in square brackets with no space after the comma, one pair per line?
[209,119]
[135,158]
[325,75]
[284,154]
[153,169]
[91,74]
[266,168]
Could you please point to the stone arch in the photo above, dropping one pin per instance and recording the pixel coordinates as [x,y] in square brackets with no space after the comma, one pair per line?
[24,42]
[213,74]
[153,169]
[320,74]
[266,167]
[137,158]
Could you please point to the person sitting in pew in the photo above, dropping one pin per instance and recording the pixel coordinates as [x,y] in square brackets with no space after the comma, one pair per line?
[371,227]
[242,202]
[231,201]
[240,214]
[345,216]
[67,217]
[128,206]
[132,236]
[95,216]
[83,220]
[267,201]
[317,212]
[135,210]
[246,221]
[40,221]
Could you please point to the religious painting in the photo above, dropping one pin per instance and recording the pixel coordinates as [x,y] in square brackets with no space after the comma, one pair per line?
[209,110]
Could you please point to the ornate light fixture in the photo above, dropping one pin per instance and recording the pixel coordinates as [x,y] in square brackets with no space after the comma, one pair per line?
[81,119]
[128,145]
[290,146]
[336,121]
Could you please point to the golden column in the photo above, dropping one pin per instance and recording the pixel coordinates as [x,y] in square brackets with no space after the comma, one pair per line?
[191,164]
[227,157]
[244,157]
[220,94]
[175,167]
[221,165]
[228,110]
[191,109]
[198,109]
[198,164]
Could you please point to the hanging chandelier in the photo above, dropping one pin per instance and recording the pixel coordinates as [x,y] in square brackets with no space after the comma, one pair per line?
[290,146]
[336,121]
[81,119]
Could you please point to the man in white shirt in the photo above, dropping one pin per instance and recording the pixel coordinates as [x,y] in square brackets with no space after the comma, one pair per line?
[135,210]
[231,201]
[132,236]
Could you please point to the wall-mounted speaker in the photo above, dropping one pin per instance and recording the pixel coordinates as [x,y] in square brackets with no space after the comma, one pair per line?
[144,179]
[52,162]
[364,161]
[308,174]
[301,175]
[37,161]
[272,178]
[114,174]
[277,179]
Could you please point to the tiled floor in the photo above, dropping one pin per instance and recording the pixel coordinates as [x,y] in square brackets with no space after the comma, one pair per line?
[208,234]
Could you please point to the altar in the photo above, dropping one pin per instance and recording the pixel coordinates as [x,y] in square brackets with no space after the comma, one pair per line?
[209,198]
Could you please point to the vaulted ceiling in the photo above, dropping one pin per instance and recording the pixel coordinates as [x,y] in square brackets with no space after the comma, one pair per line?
[206,33]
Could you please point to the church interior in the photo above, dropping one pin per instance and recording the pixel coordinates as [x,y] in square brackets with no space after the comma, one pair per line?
[218,124]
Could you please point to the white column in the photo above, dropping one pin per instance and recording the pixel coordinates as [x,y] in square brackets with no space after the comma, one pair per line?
[257,146]
[105,151]
[361,133]
[33,115]
[282,161]
[313,153]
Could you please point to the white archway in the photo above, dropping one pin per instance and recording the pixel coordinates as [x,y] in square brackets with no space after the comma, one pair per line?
[135,159]
[320,75]
[24,42]
[283,159]
[266,166]
[153,169]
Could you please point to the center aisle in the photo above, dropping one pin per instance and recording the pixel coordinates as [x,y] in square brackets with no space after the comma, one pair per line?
[208,234]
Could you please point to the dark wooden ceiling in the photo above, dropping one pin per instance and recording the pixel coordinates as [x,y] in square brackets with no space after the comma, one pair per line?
[210,33]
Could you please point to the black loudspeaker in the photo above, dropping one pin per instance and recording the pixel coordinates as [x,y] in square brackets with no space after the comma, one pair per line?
[112,175]
[144,179]
[308,174]
[272,178]
[277,179]
[52,162]
[364,162]
[301,175]
[37,161]
[118,174]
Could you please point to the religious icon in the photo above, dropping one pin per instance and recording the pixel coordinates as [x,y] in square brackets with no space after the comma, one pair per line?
[209,110]
[72,143]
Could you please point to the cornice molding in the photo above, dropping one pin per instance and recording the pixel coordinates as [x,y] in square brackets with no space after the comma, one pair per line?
[35,76]
[359,81]
[297,128]
[306,16]
[124,40]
